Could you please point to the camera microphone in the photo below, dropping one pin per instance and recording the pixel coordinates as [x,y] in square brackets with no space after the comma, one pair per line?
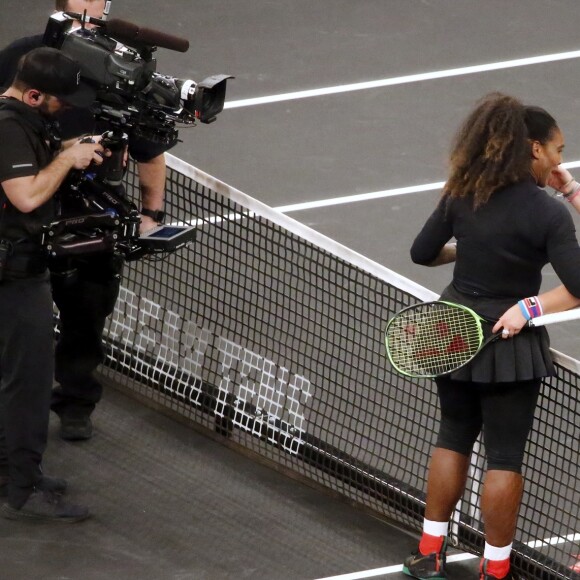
[128,32]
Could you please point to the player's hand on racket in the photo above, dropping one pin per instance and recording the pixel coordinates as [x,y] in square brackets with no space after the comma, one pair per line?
[510,322]
[432,339]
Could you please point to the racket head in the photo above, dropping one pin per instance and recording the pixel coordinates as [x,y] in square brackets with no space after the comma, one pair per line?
[432,339]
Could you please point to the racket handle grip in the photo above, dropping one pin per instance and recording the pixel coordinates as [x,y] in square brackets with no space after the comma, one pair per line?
[573,314]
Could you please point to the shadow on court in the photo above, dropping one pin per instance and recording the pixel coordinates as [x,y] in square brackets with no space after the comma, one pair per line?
[171,503]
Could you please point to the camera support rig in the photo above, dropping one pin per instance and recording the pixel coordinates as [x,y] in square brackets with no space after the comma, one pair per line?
[103,220]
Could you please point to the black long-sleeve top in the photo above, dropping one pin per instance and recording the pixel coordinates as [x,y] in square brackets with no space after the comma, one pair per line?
[503,245]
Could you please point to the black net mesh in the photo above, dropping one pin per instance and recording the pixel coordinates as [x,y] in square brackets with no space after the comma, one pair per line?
[272,336]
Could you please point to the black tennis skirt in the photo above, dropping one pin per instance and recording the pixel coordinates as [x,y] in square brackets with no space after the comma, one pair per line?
[523,357]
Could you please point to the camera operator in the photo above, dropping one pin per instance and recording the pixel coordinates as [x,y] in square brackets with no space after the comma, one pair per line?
[32,167]
[85,289]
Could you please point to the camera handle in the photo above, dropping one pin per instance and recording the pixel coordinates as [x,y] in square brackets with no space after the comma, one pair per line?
[112,169]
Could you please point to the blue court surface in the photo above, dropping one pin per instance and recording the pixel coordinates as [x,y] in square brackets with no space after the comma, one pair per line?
[341,114]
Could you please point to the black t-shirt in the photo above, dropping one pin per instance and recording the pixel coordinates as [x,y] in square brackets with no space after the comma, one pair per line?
[25,130]
[73,122]
[503,245]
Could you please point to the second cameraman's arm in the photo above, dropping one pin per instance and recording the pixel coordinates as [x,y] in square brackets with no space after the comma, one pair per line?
[152,185]
[30,192]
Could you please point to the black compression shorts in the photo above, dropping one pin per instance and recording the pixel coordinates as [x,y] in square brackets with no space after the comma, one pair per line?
[504,412]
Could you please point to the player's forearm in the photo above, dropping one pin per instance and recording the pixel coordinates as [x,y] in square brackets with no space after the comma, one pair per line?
[447,255]
[557,300]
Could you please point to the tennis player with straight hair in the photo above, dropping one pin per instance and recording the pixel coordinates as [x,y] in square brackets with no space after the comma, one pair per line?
[506,229]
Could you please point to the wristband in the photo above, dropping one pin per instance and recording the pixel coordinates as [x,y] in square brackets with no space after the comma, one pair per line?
[572,194]
[531,307]
[575,187]
[566,185]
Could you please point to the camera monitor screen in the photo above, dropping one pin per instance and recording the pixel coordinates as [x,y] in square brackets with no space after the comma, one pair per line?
[167,237]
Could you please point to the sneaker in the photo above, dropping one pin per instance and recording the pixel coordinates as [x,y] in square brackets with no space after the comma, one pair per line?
[53,484]
[485,575]
[75,428]
[46,506]
[425,567]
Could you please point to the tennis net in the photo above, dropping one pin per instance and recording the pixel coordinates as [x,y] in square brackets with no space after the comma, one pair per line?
[271,335]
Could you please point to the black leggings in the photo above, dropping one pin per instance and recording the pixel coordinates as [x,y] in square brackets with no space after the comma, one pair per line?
[504,412]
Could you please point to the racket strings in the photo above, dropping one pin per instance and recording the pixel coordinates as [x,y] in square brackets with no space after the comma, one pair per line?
[433,340]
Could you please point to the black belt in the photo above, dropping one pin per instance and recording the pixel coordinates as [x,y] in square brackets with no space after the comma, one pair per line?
[21,265]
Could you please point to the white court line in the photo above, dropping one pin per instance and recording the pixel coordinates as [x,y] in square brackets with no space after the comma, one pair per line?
[453,72]
[455,558]
[359,197]
[355,198]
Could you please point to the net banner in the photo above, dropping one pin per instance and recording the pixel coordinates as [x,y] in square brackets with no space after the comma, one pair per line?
[271,334]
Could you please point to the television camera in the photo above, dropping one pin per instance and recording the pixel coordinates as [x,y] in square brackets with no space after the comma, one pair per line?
[132,100]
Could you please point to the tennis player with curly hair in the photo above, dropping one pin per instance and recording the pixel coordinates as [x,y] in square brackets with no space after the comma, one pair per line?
[507,228]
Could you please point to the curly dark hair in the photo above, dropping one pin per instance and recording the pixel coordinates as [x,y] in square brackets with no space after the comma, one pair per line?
[492,149]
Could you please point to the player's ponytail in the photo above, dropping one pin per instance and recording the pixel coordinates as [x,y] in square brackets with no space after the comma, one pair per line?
[491,149]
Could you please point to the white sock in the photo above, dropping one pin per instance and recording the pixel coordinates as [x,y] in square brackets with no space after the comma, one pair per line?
[435,528]
[494,553]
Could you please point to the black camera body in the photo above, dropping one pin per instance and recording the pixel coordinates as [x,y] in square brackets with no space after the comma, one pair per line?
[133,101]
[116,59]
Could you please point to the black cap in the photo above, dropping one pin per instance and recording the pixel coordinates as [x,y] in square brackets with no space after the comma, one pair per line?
[50,71]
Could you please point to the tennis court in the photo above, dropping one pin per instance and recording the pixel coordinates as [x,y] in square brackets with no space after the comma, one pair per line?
[172,504]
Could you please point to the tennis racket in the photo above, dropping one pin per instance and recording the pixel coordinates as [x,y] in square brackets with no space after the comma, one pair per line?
[437,338]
